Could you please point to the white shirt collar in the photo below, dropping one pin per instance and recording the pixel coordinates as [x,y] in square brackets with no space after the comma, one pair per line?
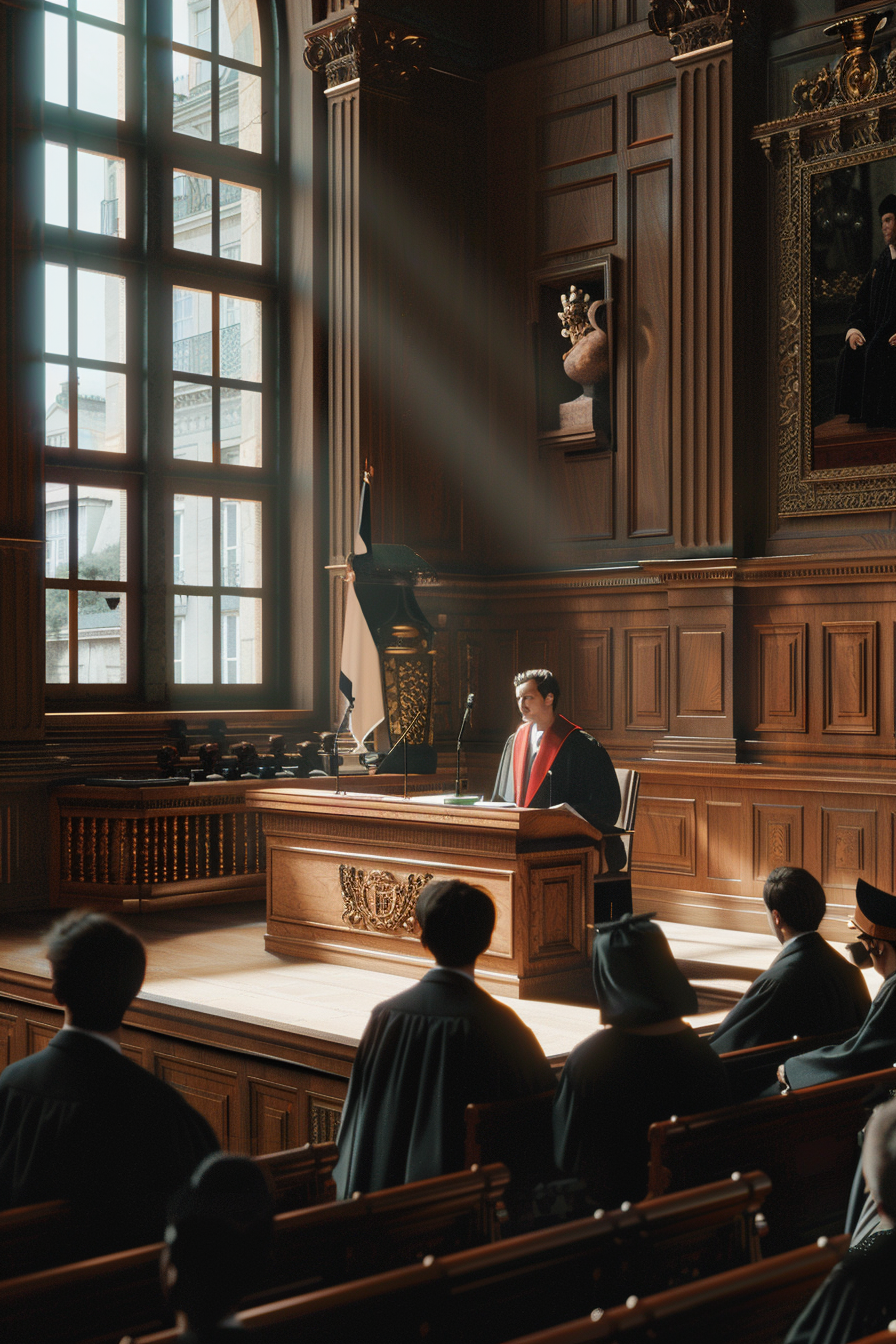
[97,1036]
[455,970]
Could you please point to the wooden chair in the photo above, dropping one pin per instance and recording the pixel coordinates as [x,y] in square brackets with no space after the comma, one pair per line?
[754,1305]
[519,1130]
[486,1295]
[38,1236]
[102,1298]
[753,1070]
[806,1141]
[613,891]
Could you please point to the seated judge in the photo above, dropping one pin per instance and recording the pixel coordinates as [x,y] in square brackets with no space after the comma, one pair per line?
[430,1051]
[809,989]
[646,1064]
[549,760]
[858,1298]
[79,1120]
[874,1044]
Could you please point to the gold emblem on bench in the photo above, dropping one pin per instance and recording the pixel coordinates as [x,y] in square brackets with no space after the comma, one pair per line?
[377,900]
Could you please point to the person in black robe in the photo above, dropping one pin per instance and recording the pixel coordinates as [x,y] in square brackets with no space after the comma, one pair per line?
[809,989]
[866,368]
[874,1044]
[82,1122]
[858,1298]
[646,1064]
[430,1051]
[549,760]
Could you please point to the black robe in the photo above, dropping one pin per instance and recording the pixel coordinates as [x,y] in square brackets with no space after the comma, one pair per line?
[582,775]
[809,990]
[614,1085]
[424,1056]
[866,377]
[857,1298]
[79,1121]
[872,1047]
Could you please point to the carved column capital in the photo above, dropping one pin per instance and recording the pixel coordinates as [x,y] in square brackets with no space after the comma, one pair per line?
[693,25]
[362,47]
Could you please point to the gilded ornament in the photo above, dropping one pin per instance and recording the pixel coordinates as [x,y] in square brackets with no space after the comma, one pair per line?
[377,901]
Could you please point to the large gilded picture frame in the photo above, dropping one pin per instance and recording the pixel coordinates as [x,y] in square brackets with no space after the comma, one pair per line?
[834,163]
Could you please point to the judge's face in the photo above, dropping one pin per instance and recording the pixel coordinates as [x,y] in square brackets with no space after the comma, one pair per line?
[535,707]
[888,229]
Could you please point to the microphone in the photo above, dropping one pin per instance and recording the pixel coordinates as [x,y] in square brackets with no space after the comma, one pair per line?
[460,738]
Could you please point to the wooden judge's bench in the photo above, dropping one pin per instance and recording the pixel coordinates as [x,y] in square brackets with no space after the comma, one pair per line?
[344,872]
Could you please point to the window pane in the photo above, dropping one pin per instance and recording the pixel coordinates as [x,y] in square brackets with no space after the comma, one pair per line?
[240,109]
[192,96]
[102,533]
[57,394]
[56,184]
[192,212]
[100,71]
[238,34]
[193,421]
[101,198]
[192,331]
[101,411]
[102,628]
[113,10]
[240,427]
[192,23]
[101,316]
[56,309]
[56,513]
[240,223]
[193,539]
[240,639]
[240,543]
[240,339]
[57,636]
[194,638]
[56,59]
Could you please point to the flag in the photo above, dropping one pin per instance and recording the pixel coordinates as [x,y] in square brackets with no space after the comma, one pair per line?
[359,673]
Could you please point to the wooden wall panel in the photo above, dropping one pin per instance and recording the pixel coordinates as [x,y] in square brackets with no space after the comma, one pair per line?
[666,834]
[577,134]
[651,113]
[22,648]
[9,839]
[210,1091]
[592,678]
[701,666]
[850,677]
[724,850]
[647,679]
[777,838]
[848,847]
[7,1039]
[487,663]
[781,675]
[38,1034]
[650,343]
[577,218]
[273,1116]
[581,487]
[324,1114]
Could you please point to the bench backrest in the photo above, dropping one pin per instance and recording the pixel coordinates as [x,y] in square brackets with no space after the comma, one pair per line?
[520,1130]
[754,1069]
[107,1296]
[806,1141]
[482,1296]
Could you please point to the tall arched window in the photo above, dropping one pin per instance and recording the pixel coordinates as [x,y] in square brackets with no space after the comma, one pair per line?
[160,279]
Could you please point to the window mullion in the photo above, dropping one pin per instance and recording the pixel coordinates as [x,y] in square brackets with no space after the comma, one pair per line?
[72,579]
[216,588]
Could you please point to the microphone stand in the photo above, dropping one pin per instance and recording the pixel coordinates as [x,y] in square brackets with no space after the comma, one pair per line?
[403,739]
[460,738]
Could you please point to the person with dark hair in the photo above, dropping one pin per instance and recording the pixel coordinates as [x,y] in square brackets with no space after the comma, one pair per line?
[866,368]
[79,1120]
[809,989]
[874,1044]
[646,1063]
[430,1051]
[218,1245]
[858,1297]
[549,760]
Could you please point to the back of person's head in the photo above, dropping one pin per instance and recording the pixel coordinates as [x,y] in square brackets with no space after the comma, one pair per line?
[797,896]
[456,921]
[635,976]
[98,967]
[879,1158]
[218,1239]
[545,681]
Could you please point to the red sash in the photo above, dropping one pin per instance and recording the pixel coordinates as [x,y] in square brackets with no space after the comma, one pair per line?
[551,742]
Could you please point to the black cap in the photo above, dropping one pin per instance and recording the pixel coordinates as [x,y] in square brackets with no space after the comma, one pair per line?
[887,206]
[635,975]
[875,912]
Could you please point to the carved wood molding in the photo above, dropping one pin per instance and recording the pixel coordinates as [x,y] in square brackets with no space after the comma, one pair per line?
[361,47]
[695,25]
[378,901]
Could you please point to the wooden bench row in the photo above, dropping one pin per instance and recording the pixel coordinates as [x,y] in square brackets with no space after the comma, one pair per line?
[640,1249]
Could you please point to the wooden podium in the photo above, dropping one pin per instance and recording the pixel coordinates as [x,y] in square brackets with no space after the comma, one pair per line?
[344,872]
